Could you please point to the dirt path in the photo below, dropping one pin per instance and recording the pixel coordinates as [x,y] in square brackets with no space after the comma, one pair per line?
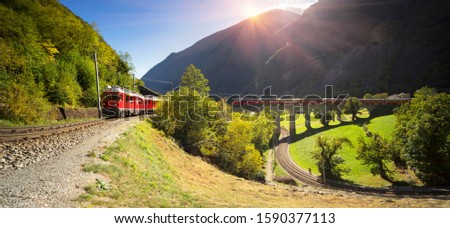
[269,167]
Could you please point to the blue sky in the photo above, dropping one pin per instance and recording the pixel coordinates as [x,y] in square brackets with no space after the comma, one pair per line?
[150,30]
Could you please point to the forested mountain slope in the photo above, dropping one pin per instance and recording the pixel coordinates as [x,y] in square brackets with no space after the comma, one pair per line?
[47,58]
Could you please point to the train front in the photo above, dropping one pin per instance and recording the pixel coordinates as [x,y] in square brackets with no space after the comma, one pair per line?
[113,102]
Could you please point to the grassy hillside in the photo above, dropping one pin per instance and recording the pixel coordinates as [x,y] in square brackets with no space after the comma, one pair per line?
[145,169]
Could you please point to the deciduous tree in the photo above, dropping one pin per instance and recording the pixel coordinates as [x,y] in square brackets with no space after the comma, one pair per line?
[193,78]
[237,153]
[352,106]
[190,114]
[376,152]
[46,54]
[328,159]
[422,132]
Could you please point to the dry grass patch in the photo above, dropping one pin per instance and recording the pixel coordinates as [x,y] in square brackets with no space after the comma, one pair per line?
[157,173]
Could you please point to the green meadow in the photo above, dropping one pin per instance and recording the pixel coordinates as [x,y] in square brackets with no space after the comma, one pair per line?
[302,149]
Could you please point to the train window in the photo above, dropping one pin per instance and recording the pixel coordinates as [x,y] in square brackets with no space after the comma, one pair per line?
[112,98]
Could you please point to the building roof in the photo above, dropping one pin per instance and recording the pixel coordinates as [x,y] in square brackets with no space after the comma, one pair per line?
[146,91]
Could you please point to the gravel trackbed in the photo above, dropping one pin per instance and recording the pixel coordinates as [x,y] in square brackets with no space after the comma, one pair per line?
[59,180]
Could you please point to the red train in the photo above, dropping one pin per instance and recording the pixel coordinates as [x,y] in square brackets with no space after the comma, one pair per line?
[120,102]
[310,101]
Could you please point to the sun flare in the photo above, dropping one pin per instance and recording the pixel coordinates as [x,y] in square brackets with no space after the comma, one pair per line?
[250,11]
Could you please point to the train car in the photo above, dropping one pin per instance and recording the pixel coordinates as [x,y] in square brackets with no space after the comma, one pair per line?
[150,104]
[139,104]
[253,101]
[120,102]
[116,102]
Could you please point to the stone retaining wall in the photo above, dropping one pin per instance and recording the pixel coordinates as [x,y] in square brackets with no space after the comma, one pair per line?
[72,113]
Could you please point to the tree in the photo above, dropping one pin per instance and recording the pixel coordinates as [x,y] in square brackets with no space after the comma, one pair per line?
[190,115]
[125,63]
[237,153]
[46,57]
[422,132]
[352,106]
[328,161]
[194,79]
[251,164]
[263,127]
[376,153]
[380,96]
[329,116]
[195,120]
[22,102]
[368,96]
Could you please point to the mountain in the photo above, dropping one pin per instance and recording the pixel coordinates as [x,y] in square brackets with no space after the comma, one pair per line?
[229,57]
[358,46]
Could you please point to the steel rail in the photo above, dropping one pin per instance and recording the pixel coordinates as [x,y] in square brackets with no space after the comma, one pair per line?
[8,134]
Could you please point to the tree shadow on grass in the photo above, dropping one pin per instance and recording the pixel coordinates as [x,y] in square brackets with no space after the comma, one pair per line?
[377,112]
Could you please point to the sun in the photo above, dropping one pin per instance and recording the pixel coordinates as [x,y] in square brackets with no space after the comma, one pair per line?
[250,11]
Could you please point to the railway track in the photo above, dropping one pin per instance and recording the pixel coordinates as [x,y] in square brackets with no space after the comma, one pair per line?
[8,134]
[284,159]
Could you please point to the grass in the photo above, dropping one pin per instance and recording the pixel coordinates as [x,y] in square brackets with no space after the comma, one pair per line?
[145,169]
[140,175]
[316,123]
[301,151]
[284,121]
[278,171]
[299,123]
[383,125]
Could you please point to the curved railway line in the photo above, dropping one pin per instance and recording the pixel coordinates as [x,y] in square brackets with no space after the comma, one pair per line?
[8,134]
[284,159]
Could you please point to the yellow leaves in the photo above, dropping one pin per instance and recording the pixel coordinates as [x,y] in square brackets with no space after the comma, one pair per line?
[50,49]
[251,161]
[237,149]
[25,104]
[10,60]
